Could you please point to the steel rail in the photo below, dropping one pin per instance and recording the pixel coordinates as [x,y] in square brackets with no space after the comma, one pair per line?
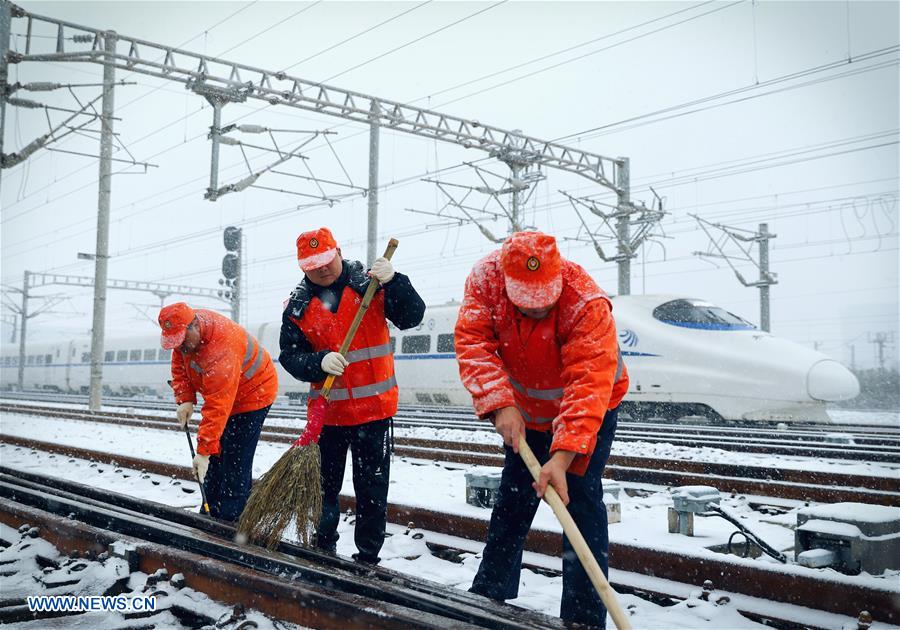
[783,483]
[336,576]
[859,452]
[793,585]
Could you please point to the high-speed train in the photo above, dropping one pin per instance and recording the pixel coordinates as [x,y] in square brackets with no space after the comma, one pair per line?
[686,357]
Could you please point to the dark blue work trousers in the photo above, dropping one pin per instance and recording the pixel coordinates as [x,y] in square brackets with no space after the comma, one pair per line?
[501,564]
[230,473]
[371,456]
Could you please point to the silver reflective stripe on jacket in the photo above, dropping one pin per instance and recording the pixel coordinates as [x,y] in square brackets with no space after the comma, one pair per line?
[252,346]
[618,365]
[363,391]
[372,352]
[195,367]
[528,418]
[538,394]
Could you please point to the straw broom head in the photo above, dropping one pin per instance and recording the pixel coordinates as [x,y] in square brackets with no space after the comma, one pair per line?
[291,491]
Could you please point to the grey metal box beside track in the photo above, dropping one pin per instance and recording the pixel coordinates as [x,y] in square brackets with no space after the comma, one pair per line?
[861,537]
[482,488]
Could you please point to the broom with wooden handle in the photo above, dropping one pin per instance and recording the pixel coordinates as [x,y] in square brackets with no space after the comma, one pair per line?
[291,491]
[588,561]
[187,432]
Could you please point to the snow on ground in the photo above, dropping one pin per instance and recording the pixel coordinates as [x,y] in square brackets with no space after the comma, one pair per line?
[854,416]
[413,482]
[439,486]
[406,552]
[25,577]
[658,450]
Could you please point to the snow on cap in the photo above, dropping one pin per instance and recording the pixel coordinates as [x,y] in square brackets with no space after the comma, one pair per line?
[174,320]
[532,269]
[315,249]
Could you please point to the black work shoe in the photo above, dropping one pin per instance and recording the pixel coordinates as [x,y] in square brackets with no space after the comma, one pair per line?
[366,559]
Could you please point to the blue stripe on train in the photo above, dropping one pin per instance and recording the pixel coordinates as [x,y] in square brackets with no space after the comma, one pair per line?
[398,357]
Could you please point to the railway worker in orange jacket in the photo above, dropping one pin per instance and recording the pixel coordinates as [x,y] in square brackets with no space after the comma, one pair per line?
[217,358]
[537,350]
[363,399]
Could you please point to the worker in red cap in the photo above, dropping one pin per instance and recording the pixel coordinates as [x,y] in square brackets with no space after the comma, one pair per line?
[217,358]
[537,350]
[363,399]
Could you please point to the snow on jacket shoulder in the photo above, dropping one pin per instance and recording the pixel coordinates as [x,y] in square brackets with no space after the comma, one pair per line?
[563,372]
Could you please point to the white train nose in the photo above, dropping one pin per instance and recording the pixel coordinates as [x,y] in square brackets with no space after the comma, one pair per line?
[828,380]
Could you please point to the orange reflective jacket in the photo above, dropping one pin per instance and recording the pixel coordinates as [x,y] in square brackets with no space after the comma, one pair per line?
[562,372]
[232,372]
[367,390]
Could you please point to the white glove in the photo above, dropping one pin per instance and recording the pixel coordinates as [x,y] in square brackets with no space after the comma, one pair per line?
[382,270]
[334,363]
[184,412]
[201,465]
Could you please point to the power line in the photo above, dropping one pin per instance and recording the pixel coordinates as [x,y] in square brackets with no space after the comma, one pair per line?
[414,41]
[161,87]
[360,34]
[891,50]
[565,50]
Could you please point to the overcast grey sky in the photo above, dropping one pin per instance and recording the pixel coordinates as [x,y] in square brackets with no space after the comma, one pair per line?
[815,156]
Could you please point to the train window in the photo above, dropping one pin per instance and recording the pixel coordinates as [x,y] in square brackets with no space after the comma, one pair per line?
[48,359]
[150,354]
[165,355]
[135,355]
[416,344]
[5,361]
[39,359]
[699,314]
[445,343]
[86,357]
[109,356]
[393,345]
[122,355]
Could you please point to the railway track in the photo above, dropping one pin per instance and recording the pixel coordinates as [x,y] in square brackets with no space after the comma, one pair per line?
[322,589]
[881,449]
[462,418]
[331,587]
[765,481]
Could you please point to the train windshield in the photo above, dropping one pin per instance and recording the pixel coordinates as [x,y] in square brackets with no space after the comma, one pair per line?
[699,314]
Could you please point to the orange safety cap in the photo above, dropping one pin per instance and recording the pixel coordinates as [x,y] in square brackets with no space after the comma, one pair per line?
[316,248]
[174,320]
[532,269]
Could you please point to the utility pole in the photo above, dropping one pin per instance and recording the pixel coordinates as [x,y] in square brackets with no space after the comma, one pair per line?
[880,340]
[5,24]
[764,320]
[744,240]
[102,251]
[24,315]
[852,358]
[372,229]
[516,203]
[14,322]
[623,211]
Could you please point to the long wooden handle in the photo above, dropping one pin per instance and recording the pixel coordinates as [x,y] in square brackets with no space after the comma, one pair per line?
[588,561]
[357,319]
[187,432]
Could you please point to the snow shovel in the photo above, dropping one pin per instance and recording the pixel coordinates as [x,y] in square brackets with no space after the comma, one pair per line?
[292,490]
[593,570]
[187,432]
